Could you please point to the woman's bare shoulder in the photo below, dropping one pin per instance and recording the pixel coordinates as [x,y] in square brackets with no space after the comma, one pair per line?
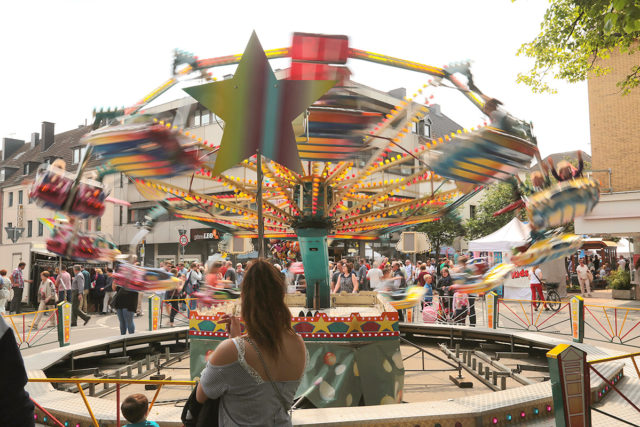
[224,354]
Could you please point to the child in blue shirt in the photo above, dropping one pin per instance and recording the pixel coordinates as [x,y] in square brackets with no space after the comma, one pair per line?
[135,408]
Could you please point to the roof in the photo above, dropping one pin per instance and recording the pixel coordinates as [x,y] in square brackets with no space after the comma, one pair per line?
[514,233]
[597,243]
[62,146]
[441,124]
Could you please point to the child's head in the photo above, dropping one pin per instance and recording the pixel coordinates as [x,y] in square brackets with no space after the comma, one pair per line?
[565,170]
[536,179]
[135,407]
[60,164]
[491,105]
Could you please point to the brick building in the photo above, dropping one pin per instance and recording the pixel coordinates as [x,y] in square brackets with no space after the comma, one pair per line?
[615,150]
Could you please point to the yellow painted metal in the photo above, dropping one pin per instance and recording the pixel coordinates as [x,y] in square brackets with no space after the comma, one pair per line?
[86,402]
[609,359]
[554,352]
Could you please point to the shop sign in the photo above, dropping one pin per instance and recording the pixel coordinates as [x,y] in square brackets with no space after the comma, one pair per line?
[204,234]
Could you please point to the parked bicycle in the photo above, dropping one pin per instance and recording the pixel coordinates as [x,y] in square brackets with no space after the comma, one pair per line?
[551,296]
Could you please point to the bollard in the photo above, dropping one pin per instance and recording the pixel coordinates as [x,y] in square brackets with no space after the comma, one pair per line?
[154,312]
[64,323]
[492,310]
[577,318]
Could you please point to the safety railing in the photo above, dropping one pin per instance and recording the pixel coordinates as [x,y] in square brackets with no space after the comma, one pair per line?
[531,315]
[440,309]
[177,311]
[613,324]
[32,327]
[611,383]
[118,383]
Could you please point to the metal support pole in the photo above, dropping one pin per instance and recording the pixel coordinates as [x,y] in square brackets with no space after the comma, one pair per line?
[259,203]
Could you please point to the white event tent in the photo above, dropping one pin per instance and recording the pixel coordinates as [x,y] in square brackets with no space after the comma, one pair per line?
[514,233]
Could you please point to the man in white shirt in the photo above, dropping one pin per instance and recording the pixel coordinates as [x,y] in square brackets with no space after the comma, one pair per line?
[583,278]
[375,276]
[431,269]
[621,263]
[409,270]
[535,281]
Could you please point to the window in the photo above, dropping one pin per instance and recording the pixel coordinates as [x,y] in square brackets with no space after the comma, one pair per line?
[29,228]
[121,213]
[25,169]
[10,225]
[422,128]
[472,211]
[121,179]
[2,175]
[10,202]
[205,119]
[78,152]
[136,215]
[196,119]
[40,229]
[20,197]
[98,224]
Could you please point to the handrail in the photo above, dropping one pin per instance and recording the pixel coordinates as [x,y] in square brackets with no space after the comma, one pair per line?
[609,359]
[29,312]
[612,306]
[117,382]
[109,381]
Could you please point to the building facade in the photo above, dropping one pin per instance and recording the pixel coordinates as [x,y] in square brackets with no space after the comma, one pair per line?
[615,150]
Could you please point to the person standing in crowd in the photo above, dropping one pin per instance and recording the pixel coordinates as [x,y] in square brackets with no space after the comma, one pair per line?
[431,269]
[77,294]
[428,287]
[535,282]
[231,274]
[194,277]
[87,289]
[596,262]
[126,302]
[347,281]
[223,269]
[5,285]
[63,284]
[47,296]
[17,283]
[398,275]
[174,294]
[101,290]
[461,305]
[362,274]
[181,269]
[621,263]
[375,277]
[443,289]
[239,274]
[584,278]
[108,292]
[335,275]
[409,271]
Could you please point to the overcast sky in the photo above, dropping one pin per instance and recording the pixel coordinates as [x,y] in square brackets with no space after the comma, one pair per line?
[63,58]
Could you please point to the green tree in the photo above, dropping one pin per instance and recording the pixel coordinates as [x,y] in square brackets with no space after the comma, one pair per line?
[443,231]
[497,196]
[575,34]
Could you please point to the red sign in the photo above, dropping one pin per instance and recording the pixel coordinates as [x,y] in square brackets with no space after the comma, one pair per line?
[519,273]
[184,240]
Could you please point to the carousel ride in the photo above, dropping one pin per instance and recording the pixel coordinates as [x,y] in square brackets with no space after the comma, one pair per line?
[305,157]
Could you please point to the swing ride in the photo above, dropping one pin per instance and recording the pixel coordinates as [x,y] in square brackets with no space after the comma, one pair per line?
[305,157]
